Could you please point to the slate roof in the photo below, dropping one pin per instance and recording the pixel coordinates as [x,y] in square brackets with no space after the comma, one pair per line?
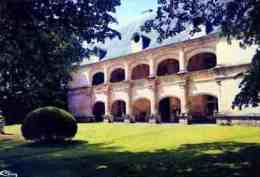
[117,48]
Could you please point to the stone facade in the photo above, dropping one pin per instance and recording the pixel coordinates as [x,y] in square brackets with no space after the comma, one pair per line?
[200,79]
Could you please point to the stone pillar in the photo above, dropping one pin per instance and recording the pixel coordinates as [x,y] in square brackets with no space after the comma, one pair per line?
[219,95]
[87,77]
[108,116]
[107,111]
[152,68]
[128,106]
[182,61]
[154,103]
[90,94]
[185,86]
[184,99]
[106,76]
[127,73]
[129,112]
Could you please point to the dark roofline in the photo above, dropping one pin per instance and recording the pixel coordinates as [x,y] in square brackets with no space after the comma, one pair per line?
[176,44]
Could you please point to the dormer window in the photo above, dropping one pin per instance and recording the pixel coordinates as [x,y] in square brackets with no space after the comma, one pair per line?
[139,42]
[100,53]
[136,38]
[146,42]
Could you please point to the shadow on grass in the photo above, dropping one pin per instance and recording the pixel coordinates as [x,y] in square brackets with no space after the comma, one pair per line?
[80,159]
[58,144]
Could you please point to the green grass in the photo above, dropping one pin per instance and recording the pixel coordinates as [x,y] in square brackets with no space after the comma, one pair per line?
[137,150]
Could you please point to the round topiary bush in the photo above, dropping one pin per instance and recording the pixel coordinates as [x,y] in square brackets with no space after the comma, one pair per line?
[49,124]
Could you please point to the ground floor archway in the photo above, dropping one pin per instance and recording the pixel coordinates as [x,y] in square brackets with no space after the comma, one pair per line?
[118,110]
[203,107]
[169,109]
[99,111]
[142,110]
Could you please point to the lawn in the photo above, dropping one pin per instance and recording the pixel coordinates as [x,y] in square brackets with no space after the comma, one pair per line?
[138,150]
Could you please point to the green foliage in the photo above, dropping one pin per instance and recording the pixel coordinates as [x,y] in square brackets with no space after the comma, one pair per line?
[250,86]
[238,19]
[48,124]
[40,44]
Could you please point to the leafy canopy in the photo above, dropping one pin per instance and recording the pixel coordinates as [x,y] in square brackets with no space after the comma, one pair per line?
[40,41]
[238,19]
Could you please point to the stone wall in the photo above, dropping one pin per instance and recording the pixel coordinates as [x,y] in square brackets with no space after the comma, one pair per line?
[236,120]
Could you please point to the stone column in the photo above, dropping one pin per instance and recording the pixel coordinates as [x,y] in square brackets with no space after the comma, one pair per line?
[86,74]
[184,98]
[127,74]
[154,103]
[182,61]
[152,68]
[108,116]
[129,101]
[184,103]
[128,106]
[90,94]
[219,95]
[106,76]
[129,112]
[107,111]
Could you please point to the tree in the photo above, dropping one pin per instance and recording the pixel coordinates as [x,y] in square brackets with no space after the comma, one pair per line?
[40,44]
[237,19]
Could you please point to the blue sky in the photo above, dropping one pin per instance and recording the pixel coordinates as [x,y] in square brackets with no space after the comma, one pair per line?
[130,10]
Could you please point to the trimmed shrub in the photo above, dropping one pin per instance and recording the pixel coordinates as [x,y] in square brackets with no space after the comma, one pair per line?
[49,124]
